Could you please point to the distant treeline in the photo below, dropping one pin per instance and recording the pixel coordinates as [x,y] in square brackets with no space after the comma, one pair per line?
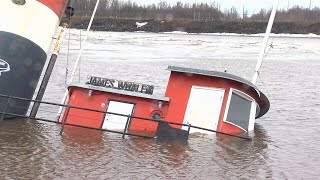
[195,11]
[191,26]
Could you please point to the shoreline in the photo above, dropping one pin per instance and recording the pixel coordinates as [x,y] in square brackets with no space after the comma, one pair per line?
[196,27]
[310,35]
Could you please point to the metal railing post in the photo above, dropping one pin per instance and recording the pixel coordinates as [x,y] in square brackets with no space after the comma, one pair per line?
[6,108]
[126,127]
[65,120]
[104,117]
[189,127]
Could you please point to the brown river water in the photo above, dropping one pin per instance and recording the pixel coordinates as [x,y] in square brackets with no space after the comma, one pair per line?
[285,142]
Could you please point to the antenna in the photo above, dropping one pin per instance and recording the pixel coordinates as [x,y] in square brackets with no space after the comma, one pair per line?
[265,42]
[309,11]
[243,13]
[310,5]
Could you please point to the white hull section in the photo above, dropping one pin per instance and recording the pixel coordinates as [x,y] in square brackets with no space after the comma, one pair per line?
[33,21]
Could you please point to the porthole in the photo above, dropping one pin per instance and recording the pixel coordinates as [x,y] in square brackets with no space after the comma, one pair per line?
[156,115]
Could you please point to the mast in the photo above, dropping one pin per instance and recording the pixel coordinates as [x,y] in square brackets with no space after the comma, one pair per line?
[265,42]
[69,11]
[48,72]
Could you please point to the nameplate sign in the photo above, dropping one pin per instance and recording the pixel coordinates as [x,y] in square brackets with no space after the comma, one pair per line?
[120,85]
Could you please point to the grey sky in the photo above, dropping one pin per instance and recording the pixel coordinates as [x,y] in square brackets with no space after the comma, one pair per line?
[250,5]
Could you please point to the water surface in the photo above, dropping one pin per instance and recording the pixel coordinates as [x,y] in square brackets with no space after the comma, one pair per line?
[285,142]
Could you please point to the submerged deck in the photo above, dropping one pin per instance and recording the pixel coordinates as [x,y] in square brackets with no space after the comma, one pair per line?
[7,115]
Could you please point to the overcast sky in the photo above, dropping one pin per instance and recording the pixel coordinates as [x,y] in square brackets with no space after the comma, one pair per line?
[250,5]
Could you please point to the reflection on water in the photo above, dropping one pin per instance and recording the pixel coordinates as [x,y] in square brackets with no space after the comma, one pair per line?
[74,136]
[285,142]
[35,150]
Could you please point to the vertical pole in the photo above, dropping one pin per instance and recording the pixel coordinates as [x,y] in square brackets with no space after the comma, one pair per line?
[78,58]
[126,127]
[310,5]
[104,117]
[309,12]
[5,108]
[65,120]
[243,12]
[265,42]
[47,74]
[189,127]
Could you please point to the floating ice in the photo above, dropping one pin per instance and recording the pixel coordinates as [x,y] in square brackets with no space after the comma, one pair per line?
[141,24]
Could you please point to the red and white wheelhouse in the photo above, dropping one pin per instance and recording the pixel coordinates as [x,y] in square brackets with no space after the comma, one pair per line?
[207,99]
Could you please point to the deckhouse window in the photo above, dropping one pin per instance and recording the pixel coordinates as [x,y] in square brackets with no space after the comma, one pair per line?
[239,110]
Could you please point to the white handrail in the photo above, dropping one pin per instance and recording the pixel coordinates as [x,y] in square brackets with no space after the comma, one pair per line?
[78,58]
[265,42]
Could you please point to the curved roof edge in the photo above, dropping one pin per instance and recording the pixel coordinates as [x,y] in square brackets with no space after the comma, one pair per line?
[263,102]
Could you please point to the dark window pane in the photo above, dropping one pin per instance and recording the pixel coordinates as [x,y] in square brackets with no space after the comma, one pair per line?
[239,111]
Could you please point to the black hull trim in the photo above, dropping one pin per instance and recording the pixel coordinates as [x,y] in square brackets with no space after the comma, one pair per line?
[167,133]
[24,61]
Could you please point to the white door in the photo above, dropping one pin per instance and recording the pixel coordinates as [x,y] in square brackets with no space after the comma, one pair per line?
[203,109]
[116,122]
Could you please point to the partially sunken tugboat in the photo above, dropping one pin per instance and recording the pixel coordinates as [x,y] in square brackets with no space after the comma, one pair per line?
[207,99]
[195,101]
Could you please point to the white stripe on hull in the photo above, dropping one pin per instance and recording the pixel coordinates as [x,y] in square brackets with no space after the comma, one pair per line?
[33,21]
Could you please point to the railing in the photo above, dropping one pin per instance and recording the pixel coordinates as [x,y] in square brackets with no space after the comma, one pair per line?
[63,121]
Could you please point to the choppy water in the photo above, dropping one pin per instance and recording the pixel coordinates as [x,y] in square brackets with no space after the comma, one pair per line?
[285,141]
